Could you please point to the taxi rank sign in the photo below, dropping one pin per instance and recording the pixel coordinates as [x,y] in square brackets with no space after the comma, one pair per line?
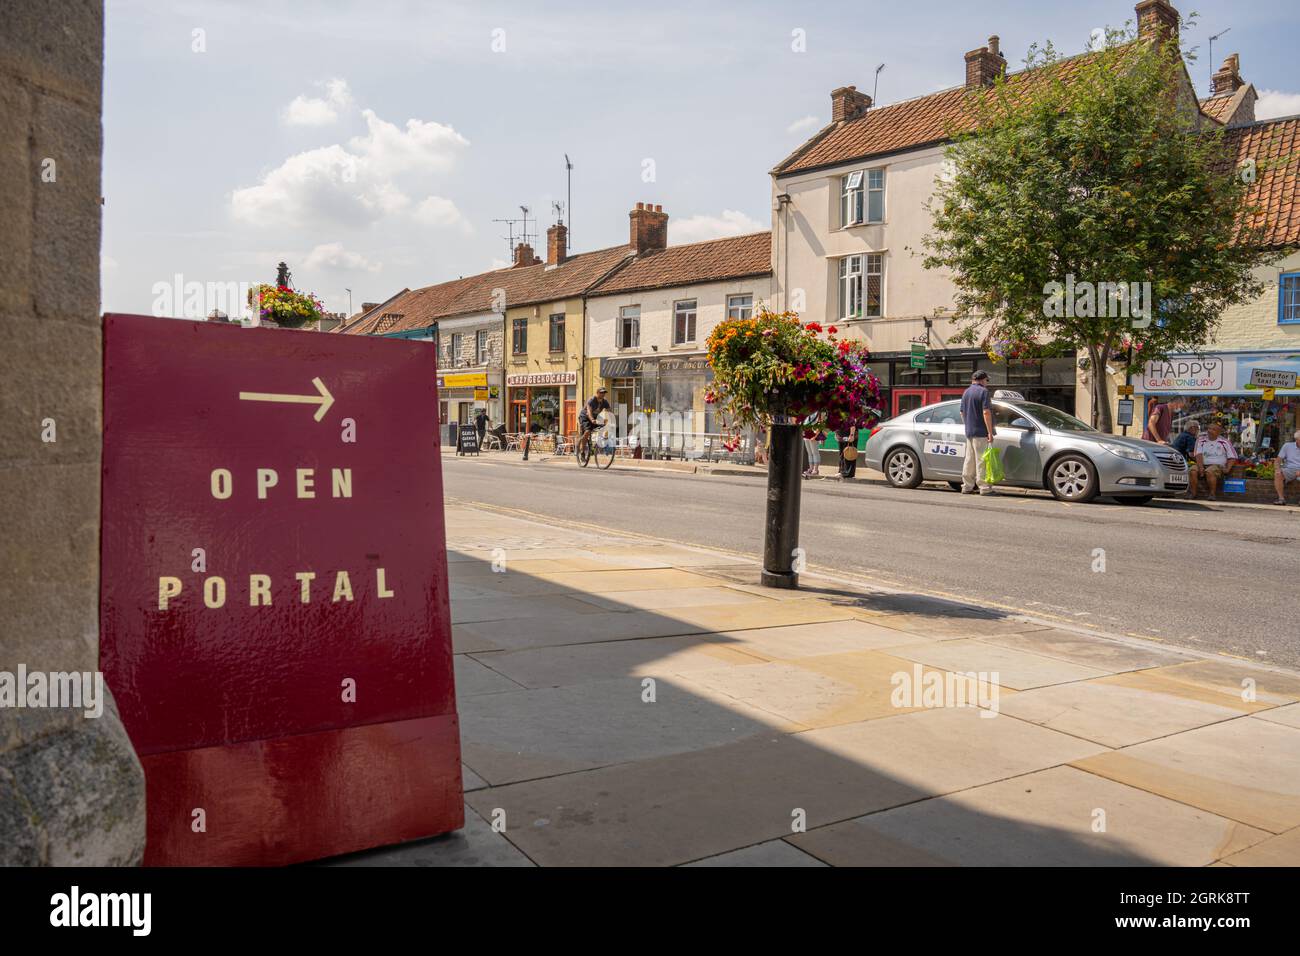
[274,612]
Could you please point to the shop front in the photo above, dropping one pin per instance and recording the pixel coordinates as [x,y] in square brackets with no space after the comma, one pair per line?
[672,388]
[1049,381]
[947,374]
[543,403]
[1218,388]
[462,394]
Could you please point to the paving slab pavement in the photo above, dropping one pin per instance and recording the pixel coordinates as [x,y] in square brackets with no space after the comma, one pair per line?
[631,701]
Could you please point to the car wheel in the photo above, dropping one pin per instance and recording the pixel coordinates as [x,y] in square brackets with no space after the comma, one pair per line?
[1135,499]
[1072,478]
[903,468]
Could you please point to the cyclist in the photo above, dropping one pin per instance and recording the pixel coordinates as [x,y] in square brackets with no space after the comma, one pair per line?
[587,420]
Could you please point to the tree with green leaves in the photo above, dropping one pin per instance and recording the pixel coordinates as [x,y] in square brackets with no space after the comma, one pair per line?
[1087,205]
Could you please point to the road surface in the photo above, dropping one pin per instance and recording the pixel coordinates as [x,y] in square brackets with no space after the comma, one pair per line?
[1186,573]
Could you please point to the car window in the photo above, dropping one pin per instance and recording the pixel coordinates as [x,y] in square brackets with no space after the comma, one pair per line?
[1055,419]
[1007,416]
[949,413]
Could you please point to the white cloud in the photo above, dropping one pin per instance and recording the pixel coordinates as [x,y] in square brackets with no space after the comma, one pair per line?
[332,257]
[355,185]
[319,111]
[802,125]
[437,211]
[1275,103]
[699,228]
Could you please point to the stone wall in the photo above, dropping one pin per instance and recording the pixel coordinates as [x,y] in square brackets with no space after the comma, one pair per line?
[71,788]
[467,355]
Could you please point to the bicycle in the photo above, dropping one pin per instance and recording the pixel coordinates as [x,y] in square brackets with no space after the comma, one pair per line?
[591,445]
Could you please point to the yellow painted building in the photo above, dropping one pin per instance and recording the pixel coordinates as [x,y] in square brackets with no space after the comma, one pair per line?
[544,366]
[544,331]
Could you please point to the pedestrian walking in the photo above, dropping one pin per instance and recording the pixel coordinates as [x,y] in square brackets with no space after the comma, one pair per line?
[977,416]
[848,440]
[1185,445]
[481,424]
[1160,419]
[812,455]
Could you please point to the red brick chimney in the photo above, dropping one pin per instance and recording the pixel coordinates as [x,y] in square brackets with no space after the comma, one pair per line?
[985,65]
[1228,78]
[1157,19]
[649,228]
[557,238]
[848,104]
[524,256]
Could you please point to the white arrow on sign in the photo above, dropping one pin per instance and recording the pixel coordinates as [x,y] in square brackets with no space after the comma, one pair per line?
[324,399]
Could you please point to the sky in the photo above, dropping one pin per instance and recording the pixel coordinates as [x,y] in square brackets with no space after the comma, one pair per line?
[371,145]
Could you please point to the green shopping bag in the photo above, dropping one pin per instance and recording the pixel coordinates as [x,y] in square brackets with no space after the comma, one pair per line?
[991,463]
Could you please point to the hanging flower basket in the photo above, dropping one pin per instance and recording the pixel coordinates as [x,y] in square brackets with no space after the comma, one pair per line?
[285,307]
[774,369]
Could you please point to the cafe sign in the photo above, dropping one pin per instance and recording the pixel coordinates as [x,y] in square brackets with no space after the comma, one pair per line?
[542,378]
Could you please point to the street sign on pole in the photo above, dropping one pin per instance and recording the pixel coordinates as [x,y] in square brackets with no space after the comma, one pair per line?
[918,355]
[274,617]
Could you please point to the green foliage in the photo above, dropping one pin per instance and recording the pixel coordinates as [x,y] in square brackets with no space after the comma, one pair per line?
[1098,168]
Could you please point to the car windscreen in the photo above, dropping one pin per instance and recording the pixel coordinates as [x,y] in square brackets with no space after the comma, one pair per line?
[1054,418]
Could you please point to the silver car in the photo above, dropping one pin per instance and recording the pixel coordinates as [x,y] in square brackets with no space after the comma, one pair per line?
[1041,447]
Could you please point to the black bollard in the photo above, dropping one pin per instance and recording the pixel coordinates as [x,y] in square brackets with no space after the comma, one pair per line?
[781,537]
[528,443]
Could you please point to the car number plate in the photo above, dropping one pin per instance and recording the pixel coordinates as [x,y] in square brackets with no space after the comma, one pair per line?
[950,449]
[1177,479]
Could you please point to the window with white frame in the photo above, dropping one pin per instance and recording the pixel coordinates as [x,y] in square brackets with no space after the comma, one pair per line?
[875,195]
[629,327]
[861,282]
[481,347]
[684,322]
[456,338]
[740,306]
[862,197]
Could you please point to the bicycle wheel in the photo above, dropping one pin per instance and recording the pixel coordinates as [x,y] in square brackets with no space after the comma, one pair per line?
[604,453]
[584,453]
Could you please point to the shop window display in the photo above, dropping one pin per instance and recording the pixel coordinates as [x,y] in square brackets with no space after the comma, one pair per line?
[1256,428]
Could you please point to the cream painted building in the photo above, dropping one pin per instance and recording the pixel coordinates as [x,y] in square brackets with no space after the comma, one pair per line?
[849,220]
[649,322]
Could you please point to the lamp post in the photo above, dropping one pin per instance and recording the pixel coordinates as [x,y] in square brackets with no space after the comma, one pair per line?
[784,486]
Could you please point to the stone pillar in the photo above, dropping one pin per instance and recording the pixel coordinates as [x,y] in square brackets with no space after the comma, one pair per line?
[71,788]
